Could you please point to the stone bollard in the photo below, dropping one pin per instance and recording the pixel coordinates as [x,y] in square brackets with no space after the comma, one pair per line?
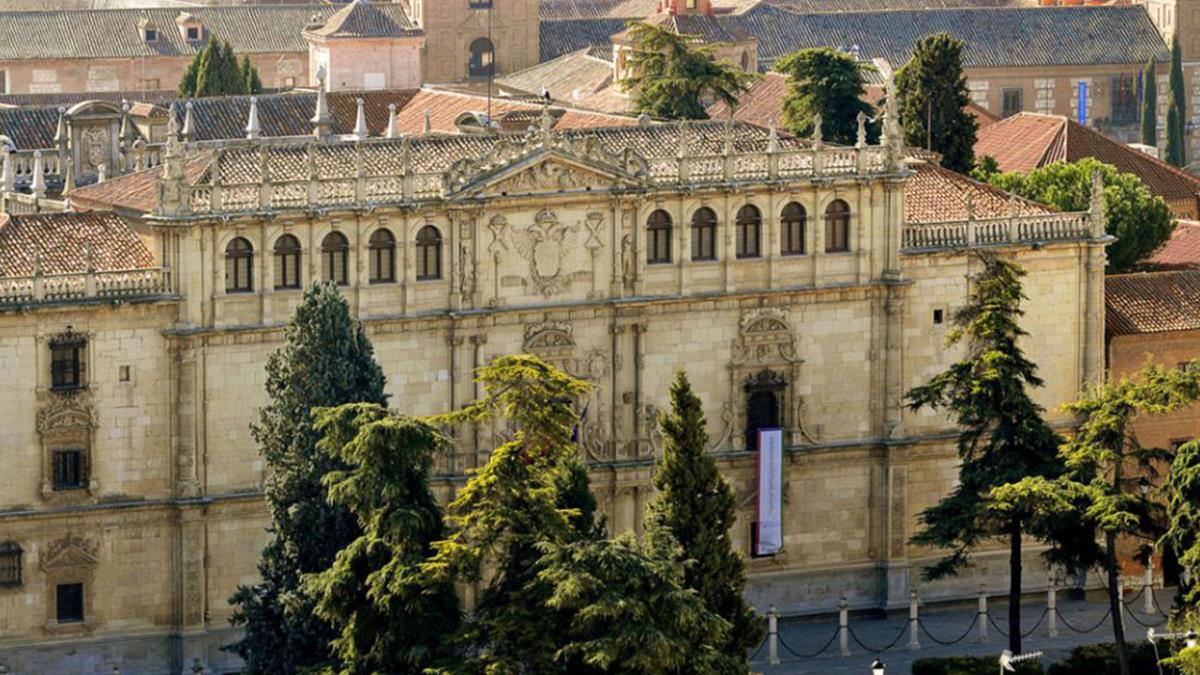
[1121,601]
[844,626]
[1052,610]
[983,614]
[914,642]
[1148,586]
[772,635]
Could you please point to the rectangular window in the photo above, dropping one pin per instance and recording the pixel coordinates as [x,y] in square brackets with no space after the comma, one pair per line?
[70,469]
[66,365]
[1013,103]
[3,81]
[1124,99]
[69,603]
[480,4]
[193,33]
[289,82]
[149,85]
[151,35]
[10,565]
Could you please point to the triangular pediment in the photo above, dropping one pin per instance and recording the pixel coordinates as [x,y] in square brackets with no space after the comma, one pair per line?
[546,172]
[69,552]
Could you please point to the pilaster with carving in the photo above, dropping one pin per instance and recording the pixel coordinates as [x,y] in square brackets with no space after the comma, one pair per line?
[764,356]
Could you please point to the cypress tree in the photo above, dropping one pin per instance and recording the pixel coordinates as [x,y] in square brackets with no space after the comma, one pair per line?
[250,79]
[208,67]
[1002,437]
[826,82]
[1176,151]
[1150,104]
[933,102]
[1183,525]
[326,360]
[215,71]
[696,506]
[389,617]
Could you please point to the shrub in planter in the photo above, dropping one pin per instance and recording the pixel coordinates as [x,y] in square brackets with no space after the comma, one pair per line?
[970,665]
[1102,658]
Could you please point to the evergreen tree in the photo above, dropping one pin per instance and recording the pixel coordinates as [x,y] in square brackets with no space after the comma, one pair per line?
[1176,151]
[250,79]
[696,506]
[1098,493]
[630,612]
[215,71]
[1002,437]
[1183,511]
[985,168]
[1138,220]
[829,83]
[1150,104]
[672,78]
[389,617]
[529,493]
[933,102]
[326,360]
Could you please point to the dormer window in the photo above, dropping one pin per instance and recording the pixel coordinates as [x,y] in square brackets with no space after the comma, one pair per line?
[151,35]
[148,29]
[193,33]
[191,28]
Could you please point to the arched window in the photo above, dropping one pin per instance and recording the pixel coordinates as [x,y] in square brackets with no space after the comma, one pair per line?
[429,253]
[239,266]
[762,412]
[383,256]
[792,222]
[749,231]
[704,234]
[745,62]
[287,262]
[483,59]
[837,227]
[335,258]
[658,246]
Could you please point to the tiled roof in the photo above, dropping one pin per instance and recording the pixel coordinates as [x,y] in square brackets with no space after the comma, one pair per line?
[133,192]
[30,128]
[936,194]
[445,107]
[554,10]
[760,105]
[1181,251]
[816,6]
[568,78]
[62,242]
[289,114]
[995,36]
[70,98]
[1030,140]
[362,19]
[707,29]
[1152,302]
[255,29]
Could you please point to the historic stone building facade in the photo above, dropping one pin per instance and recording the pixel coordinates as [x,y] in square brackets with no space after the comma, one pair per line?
[797,284]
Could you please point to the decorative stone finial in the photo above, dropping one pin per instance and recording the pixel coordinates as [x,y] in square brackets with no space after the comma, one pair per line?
[772,138]
[189,124]
[6,170]
[1096,208]
[321,121]
[860,139]
[392,132]
[360,121]
[547,124]
[428,122]
[101,173]
[818,134]
[38,186]
[891,121]
[60,134]
[253,129]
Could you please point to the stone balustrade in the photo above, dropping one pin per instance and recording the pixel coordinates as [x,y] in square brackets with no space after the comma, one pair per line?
[107,285]
[1017,229]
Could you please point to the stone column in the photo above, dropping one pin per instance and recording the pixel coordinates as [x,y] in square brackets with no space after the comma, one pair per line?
[187,475]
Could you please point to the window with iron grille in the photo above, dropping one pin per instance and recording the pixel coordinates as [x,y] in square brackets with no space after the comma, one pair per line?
[69,469]
[66,361]
[10,564]
[69,603]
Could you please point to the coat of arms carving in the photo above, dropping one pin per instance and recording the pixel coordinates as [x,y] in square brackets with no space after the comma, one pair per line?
[544,244]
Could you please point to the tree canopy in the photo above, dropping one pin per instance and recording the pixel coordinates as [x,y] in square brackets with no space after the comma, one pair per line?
[1140,221]
[672,76]
[326,361]
[829,84]
[933,102]
[215,71]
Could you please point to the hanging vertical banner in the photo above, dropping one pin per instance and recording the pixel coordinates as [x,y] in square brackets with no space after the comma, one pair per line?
[769,533]
[1083,102]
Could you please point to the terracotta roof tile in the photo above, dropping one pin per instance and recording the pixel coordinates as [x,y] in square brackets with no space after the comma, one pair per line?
[362,19]
[445,107]
[1152,302]
[62,242]
[1031,140]
[936,194]
[568,78]
[134,192]
[289,114]
[1181,251]
[760,105]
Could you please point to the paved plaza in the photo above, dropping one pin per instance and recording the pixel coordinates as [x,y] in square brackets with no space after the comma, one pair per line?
[949,624]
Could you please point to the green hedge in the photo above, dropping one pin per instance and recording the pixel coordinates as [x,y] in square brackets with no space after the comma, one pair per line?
[971,665]
[1102,658]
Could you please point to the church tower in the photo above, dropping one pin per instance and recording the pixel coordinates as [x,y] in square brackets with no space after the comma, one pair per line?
[470,39]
